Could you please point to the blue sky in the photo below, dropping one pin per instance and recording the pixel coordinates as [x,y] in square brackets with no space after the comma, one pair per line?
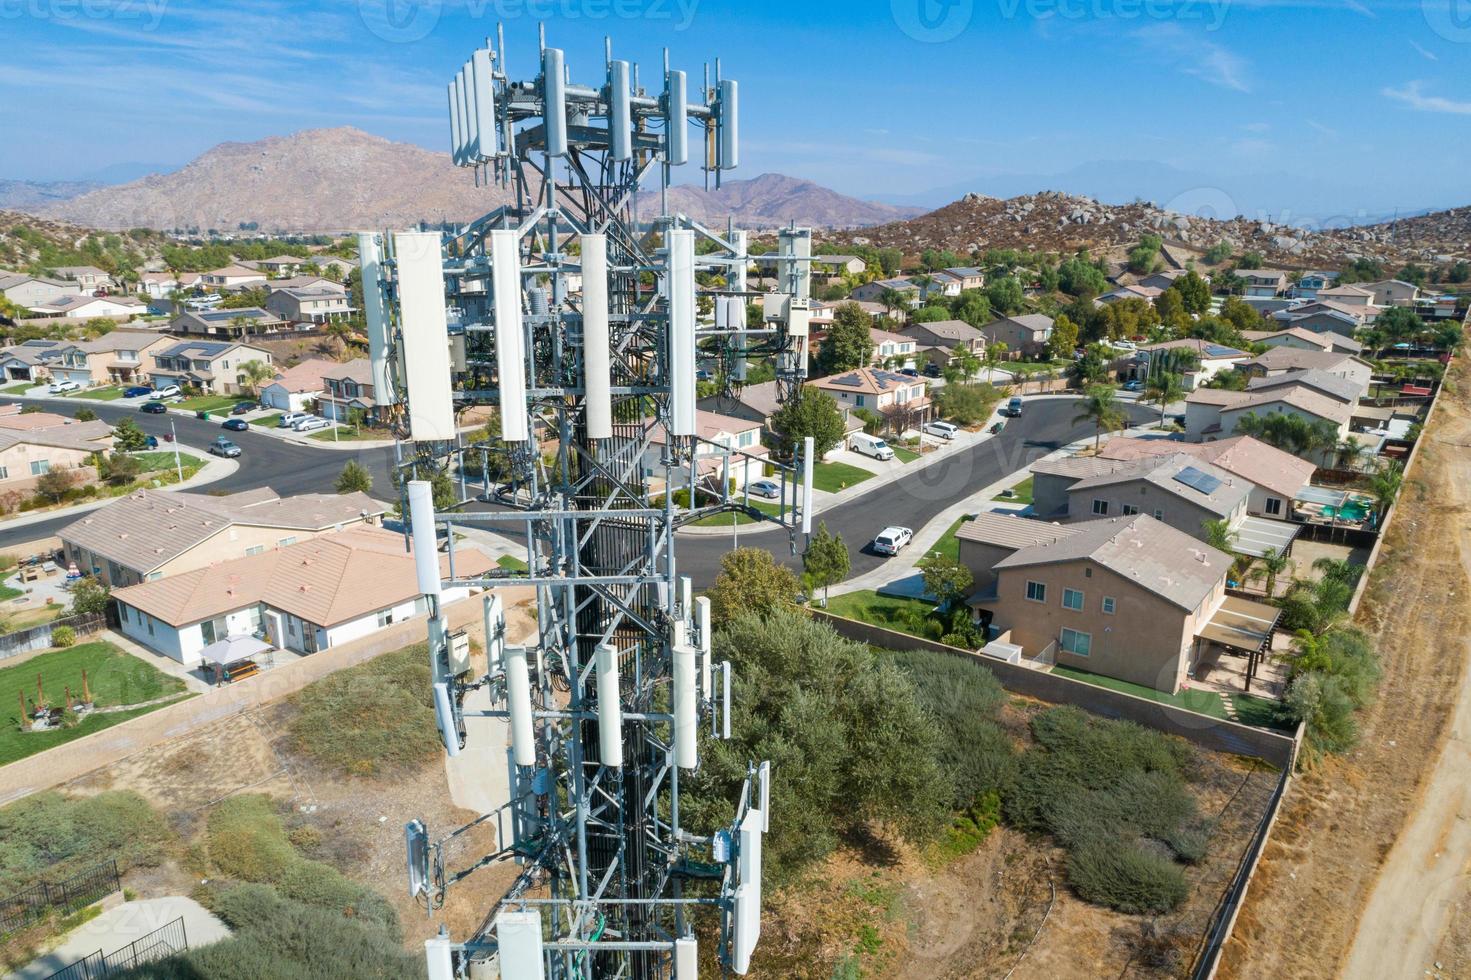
[1367,104]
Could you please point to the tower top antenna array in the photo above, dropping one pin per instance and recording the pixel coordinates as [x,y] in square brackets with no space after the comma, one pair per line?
[584,330]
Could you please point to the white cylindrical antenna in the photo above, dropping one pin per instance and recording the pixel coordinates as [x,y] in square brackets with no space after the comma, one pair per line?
[676,127]
[682,385]
[596,341]
[472,119]
[725,679]
[421,524]
[444,714]
[482,71]
[808,450]
[610,707]
[737,284]
[370,258]
[455,143]
[685,707]
[620,112]
[730,132]
[425,335]
[440,958]
[702,624]
[518,698]
[554,95]
[495,633]
[510,339]
[686,959]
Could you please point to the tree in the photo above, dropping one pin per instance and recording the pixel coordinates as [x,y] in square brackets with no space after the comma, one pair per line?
[1163,389]
[826,560]
[55,483]
[1171,309]
[962,365]
[1399,323]
[994,355]
[354,478]
[1089,369]
[849,343]
[1240,314]
[1195,293]
[1005,295]
[120,469]
[968,404]
[1218,253]
[1351,452]
[946,579]
[973,307]
[1273,563]
[443,489]
[1385,485]
[254,373]
[127,437]
[893,300]
[1218,535]
[750,580]
[1064,339]
[90,596]
[1100,408]
[809,412]
[85,415]
[1079,276]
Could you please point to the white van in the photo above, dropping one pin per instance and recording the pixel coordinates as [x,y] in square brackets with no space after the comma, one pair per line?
[941,430]
[862,442]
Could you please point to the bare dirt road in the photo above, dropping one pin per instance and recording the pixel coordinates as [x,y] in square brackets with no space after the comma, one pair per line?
[1365,873]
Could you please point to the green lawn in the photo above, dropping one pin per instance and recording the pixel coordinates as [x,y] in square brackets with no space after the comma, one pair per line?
[511,563]
[947,545]
[1020,494]
[347,433]
[18,389]
[115,678]
[904,455]
[1250,710]
[208,403]
[163,459]
[107,394]
[8,592]
[833,477]
[740,518]
[267,421]
[867,606]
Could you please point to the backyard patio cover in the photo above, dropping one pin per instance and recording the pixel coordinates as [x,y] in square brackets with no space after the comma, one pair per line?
[1241,624]
[1258,535]
[233,649]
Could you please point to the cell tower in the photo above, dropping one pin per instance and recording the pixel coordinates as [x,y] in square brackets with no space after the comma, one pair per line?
[585,330]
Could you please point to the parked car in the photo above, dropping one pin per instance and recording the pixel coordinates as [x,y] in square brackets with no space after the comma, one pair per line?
[1133,386]
[769,489]
[311,423]
[137,391]
[236,425]
[62,387]
[1013,408]
[932,370]
[243,408]
[289,420]
[941,430]
[909,372]
[892,540]
[168,391]
[153,408]
[224,447]
[872,446]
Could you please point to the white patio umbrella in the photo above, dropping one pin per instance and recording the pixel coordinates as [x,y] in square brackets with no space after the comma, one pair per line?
[233,649]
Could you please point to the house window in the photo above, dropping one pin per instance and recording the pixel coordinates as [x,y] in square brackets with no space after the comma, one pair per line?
[385,618]
[1274,506]
[254,549]
[1072,599]
[1036,591]
[859,401]
[1130,510]
[1108,605]
[1076,643]
[4,473]
[1159,514]
[40,466]
[286,542]
[1100,508]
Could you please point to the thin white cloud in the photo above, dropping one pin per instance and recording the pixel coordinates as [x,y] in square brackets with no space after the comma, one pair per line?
[1412,94]
[1424,52]
[1258,127]
[1194,55]
[1328,131]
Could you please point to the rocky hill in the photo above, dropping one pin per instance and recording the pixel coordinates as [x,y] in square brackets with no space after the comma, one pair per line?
[1050,221]
[31,194]
[329,180]
[1430,237]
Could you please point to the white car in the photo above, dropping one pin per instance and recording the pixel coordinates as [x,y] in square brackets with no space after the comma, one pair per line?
[289,420]
[167,391]
[941,430]
[769,489]
[311,424]
[62,387]
[892,540]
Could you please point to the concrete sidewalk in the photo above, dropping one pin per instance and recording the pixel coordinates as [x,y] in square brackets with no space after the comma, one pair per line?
[123,924]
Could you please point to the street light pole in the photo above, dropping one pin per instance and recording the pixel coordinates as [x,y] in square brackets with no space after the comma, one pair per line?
[178,463]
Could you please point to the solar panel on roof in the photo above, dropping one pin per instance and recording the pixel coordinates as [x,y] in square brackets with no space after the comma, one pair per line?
[1198,480]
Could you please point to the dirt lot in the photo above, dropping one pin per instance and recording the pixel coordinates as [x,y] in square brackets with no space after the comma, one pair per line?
[1341,820]
[879,909]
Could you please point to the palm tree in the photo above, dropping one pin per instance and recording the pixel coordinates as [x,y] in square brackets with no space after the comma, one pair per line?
[1351,452]
[252,373]
[891,299]
[1385,485]
[1100,408]
[1273,563]
[1021,375]
[1164,388]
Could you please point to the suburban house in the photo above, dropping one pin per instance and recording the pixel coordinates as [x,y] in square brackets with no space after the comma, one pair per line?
[1179,489]
[1213,413]
[309,306]
[1305,340]
[1347,296]
[231,275]
[988,538]
[724,431]
[31,360]
[1264,283]
[335,263]
[295,387]
[1281,360]
[85,306]
[281,265]
[348,388]
[28,291]
[1147,293]
[88,278]
[305,282]
[1210,360]
[1025,335]
[117,357]
[35,444]
[898,397]
[967,276]
[892,349]
[153,534]
[1310,284]
[750,403]
[1276,477]
[1164,280]
[212,366]
[305,597]
[234,323]
[1335,386]
[157,285]
[1321,317]
[1129,597]
[937,339]
[1391,292]
[872,292]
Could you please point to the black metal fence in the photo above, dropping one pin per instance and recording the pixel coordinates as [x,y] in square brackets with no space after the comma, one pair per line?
[80,890]
[159,944]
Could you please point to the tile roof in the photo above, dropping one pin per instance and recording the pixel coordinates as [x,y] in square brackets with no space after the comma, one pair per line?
[326,581]
[1216,396]
[1011,531]
[954,330]
[1157,557]
[234,272]
[1223,498]
[1205,348]
[1299,397]
[359,369]
[869,381]
[1294,359]
[1251,459]
[307,376]
[1333,385]
[85,436]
